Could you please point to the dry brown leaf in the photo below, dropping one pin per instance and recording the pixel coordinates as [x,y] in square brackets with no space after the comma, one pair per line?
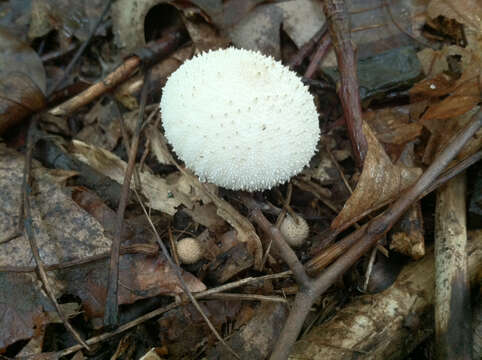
[69,18]
[464,97]
[22,81]
[158,192]
[101,125]
[450,107]
[468,12]
[393,129]
[259,30]
[206,215]
[204,36]
[439,85]
[63,231]
[22,306]
[140,277]
[392,126]
[245,230]
[442,132]
[380,182]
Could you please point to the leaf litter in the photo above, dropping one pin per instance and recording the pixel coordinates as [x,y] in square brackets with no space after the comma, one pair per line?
[74,226]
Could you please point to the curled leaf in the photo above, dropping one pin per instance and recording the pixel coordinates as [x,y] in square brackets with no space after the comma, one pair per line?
[380,182]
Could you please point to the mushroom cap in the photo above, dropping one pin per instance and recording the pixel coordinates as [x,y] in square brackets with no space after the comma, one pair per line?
[295,234]
[189,250]
[239,119]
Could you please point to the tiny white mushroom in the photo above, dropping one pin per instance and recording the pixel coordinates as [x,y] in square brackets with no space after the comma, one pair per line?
[189,250]
[248,103]
[294,233]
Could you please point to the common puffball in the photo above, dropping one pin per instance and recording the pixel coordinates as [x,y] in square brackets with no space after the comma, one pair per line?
[239,119]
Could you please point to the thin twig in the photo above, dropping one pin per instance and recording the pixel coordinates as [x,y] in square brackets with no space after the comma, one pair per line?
[322,49]
[251,297]
[29,231]
[111,305]
[339,27]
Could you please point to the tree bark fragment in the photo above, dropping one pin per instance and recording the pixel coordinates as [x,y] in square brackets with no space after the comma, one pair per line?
[388,325]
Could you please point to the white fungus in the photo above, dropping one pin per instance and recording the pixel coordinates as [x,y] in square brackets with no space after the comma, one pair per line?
[239,119]
[189,250]
[295,234]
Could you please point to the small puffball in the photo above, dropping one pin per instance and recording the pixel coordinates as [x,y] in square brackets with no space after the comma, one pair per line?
[189,250]
[295,234]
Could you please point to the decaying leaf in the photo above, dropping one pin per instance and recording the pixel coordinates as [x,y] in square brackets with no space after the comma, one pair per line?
[393,128]
[161,194]
[70,18]
[184,331]
[380,182]
[101,126]
[260,30]
[245,230]
[206,215]
[468,12]
[23,307]
[22,81]
[140,277]
[302,19]
[444,117]
[15,15]
[465,96]
[63,231]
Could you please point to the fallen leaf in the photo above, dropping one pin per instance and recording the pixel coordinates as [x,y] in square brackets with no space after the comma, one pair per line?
[468,12]
[464,97]
[140,277]
[380,182]
[204,36]
[302,19]
[439,85]
[15,15]
[442,131]
[63,231]
[101,125]
[69,18]
[22,81]
[206,215]
[393,127]
[23,307]
[158,192]
[260,30]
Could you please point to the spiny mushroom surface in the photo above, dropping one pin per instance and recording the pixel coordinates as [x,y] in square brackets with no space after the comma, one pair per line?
[189,250]
[239,119]
[294,233]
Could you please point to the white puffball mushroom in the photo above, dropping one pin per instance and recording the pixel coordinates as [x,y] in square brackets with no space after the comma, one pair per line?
[239,119]
[189,250]
[295,234]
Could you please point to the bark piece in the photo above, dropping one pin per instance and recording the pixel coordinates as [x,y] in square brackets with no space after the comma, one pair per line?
[453,330]
[388,325]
